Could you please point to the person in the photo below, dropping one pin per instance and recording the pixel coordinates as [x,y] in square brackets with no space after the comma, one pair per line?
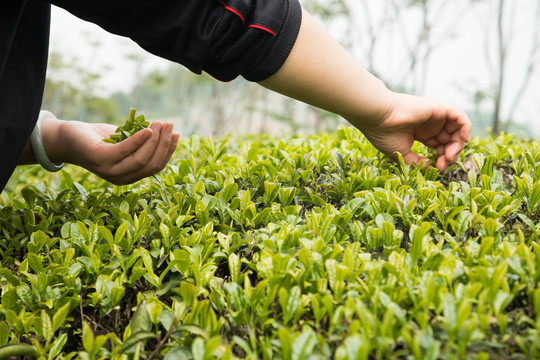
[275,43]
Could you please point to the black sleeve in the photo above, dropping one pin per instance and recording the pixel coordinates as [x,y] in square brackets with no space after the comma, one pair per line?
[24,39]
[225,38]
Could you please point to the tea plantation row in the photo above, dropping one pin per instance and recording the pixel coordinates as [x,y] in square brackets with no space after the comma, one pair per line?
[312,247]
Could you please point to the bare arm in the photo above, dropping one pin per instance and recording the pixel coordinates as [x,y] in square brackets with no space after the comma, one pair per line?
[321,73]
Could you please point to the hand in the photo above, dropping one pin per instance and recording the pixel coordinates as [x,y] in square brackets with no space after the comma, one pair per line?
[144,154]
[435,124]
[320,72]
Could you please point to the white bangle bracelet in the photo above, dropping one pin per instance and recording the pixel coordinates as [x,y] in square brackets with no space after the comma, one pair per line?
[37,145]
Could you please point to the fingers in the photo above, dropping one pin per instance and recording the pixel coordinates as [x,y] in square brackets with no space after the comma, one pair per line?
[451,138]
[413,158]
[162,154]
[145,155]
[460,128]
[465,130]
[447,154]
[132,143]
[172,148]
[458,122]
[440,126]
[151,154]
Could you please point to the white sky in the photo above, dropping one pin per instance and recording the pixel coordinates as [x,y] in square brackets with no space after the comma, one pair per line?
[99,51]
[457,68]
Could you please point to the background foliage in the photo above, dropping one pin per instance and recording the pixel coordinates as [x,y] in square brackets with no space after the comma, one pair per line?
[481,55]
[309,247]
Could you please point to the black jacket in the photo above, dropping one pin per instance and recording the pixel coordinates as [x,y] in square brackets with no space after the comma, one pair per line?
[225,38]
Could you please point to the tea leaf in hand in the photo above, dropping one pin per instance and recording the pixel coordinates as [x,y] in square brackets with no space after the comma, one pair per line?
[131,126]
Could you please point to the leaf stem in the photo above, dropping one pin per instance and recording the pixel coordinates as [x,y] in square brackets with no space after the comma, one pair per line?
[12,350]
[164,339]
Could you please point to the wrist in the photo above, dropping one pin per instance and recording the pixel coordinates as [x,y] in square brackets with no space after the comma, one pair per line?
[373,108]
[51,129]
[38,144]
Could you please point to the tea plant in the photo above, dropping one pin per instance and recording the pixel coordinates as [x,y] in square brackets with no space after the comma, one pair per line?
[131,126]
[307,247]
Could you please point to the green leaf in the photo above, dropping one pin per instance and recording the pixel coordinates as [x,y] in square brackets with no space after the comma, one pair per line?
[289,301]
[178,353]
[229,191]
[154,309]
[449,310]
[35,263]
[270,192]
[57,346]
[106,233]
[417,236]
[13,280]
[199,188]
[26,295]
[131,126]
[212,345]
[285,340]
[286,195]
[46,326]
[38,239]
[60,316]
[120,233]
[135,339]
[87,338]
[197,349]
[194,330]
[82,191]
[304,344]
[234,267]
[488,166]
[202,213]
[4,333]
[491,226]
[141,322]
[355,347]
[29,195]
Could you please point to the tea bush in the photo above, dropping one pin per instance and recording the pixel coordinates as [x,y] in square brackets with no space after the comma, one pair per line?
[308,247]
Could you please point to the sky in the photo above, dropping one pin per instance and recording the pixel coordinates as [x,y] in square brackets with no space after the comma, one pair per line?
[99,51]
[457,68]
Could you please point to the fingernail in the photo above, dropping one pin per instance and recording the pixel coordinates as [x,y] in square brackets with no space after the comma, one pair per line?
[157,127]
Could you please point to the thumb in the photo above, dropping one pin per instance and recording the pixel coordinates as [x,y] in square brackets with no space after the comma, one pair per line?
[131,144]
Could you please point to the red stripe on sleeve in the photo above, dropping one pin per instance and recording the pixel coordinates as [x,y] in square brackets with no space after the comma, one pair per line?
[234,11]
[263,28]
[241,16]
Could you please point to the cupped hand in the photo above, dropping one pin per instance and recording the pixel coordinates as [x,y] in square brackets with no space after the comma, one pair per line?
[145,153]
[440,126]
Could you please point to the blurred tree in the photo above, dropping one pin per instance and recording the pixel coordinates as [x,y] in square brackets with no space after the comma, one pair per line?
[504,18]
[414,28]
[197,102]
[69,92]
